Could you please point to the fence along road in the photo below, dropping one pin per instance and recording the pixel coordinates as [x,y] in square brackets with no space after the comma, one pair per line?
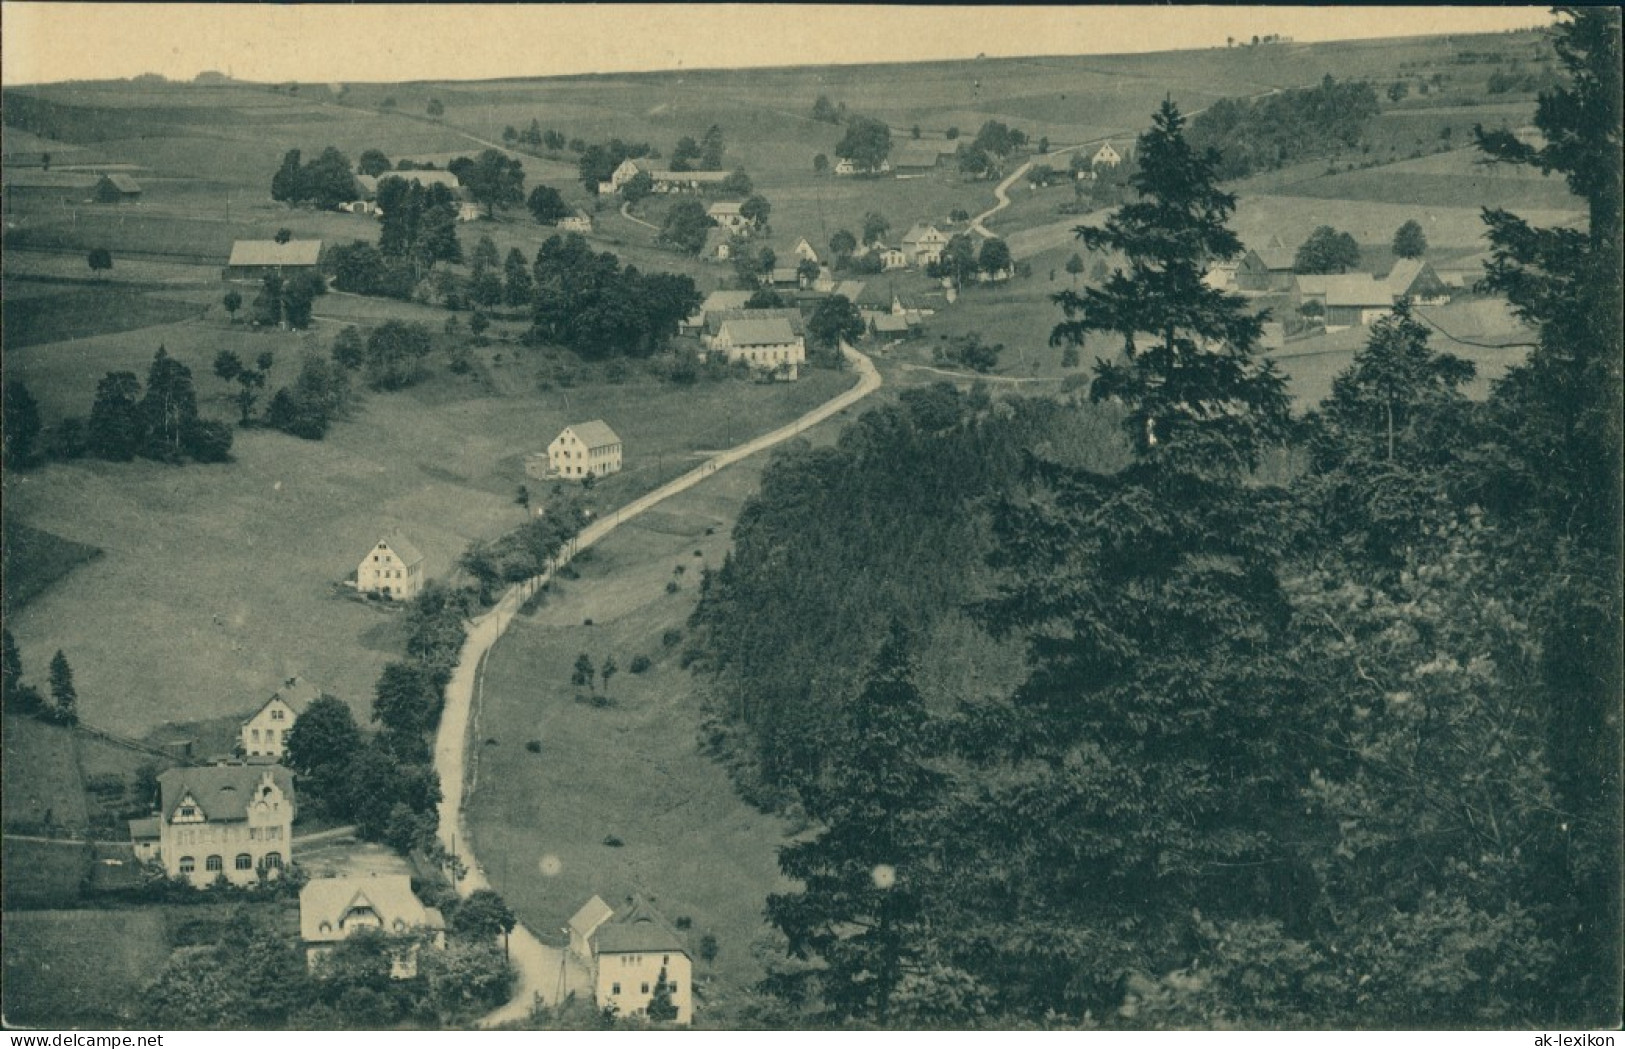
[544,971]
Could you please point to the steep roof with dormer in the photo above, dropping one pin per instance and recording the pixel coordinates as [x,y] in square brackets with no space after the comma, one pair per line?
[221,792]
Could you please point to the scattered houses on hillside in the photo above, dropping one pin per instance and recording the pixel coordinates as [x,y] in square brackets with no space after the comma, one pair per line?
[253,260]
[117,189]
[230,821]
[1356,299]
[661,180]
[393,568]
[264,734]
[334,909]
[890,258]
[581,450]
[626,953]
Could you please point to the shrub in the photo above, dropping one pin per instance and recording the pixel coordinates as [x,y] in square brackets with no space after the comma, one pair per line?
[639,664]
[613,842]
[534,746]
[671,586]
[671,637]
[684,922]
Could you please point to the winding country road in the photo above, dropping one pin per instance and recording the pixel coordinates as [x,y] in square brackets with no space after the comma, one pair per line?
[545,972]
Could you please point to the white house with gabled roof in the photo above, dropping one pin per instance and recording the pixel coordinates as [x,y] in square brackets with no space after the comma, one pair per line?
[394,568]
[585,449]
[332,910]
[1106,157]
[265,732]
[230,821]
[627,952]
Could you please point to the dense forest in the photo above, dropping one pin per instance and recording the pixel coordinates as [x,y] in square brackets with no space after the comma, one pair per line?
[1333,749]
[1260,134]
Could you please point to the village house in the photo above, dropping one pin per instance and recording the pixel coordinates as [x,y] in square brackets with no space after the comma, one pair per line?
[145,838]
[117,189]
[469,211]
[626,952]
[782,276]
[264,735]
[1415,281]
[585,449]
[686,181]
[846,166]
[253,260]
[394,568]
[718,246]
[924,243]
[804,250]
[1348,299]
[580,222]
[915,157]
[767,344]
[625,172]
[715,318]
[890,258]
[1266,269]
[334,909]
[725,213]
[1106,157]
[230,821]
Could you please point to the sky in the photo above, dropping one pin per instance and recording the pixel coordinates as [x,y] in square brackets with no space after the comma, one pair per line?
[316,43]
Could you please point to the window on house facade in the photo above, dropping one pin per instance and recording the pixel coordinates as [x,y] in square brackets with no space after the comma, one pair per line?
[187,812]
[614,988]
[214,863]
[188,865]
[254,734]
[276,715]
[273,860]
[245,862]
[645,989]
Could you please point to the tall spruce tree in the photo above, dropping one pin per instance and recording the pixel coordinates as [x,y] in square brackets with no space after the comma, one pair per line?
[860,916]
[1553,471]
[1139,773]
[115,429]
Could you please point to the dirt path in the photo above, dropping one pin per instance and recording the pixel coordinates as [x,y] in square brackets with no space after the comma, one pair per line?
[626,213]
[546,973]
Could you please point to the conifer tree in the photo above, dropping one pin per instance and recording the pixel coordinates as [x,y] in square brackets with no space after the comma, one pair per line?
[63,695]
[864,876]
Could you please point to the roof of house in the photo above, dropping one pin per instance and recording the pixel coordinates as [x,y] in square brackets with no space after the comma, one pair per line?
[221,791]
[1352,289]
[920,154]
[123,183]
[765,331]
[724,207]
[689,176]
[402,548]
[594,434]
[888,323]
[592,914]
[715,319]
[389,896]
[1275,257]
[270,253]
[1408,272]
[1273,336]
[728,299]
[638,930]
[919,231]
[145,829]
[295,692]
[786,274]
[849,288]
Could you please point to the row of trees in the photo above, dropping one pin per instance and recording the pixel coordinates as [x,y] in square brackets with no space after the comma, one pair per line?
[1265,133]
[1339,751]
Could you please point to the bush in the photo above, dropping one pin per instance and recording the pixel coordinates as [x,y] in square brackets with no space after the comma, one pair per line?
[639,664]
[671,586]
[671,637]
[613,842]
[534,746]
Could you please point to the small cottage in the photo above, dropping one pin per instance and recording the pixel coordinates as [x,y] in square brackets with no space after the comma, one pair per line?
[585,449]
[334,909]
[393,568]
[628,953]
